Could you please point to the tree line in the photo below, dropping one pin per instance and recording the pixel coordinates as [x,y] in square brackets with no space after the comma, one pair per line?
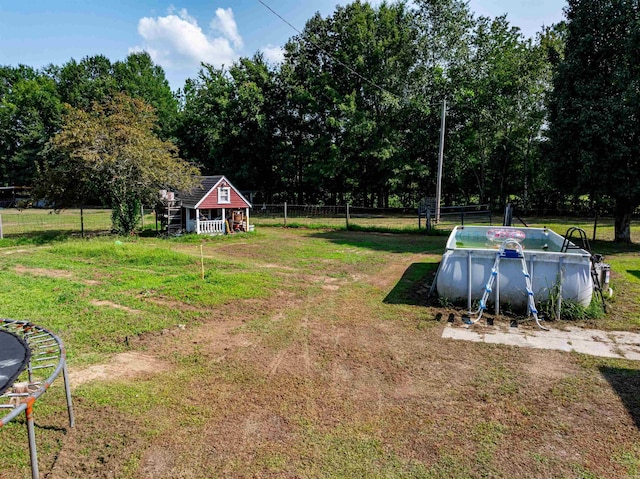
[353,112]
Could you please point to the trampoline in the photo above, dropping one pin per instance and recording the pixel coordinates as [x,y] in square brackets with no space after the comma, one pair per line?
[31,358]
[14,357]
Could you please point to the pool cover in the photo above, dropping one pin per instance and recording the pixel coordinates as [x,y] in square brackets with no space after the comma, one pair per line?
[14,357]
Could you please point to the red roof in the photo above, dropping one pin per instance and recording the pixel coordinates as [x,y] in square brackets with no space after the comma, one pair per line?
[209,194]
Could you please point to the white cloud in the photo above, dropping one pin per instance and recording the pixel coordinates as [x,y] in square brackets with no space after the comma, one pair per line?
[225,23]
[176,41]
[273,54]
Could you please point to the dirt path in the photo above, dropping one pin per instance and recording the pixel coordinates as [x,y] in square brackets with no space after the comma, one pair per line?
[325,379]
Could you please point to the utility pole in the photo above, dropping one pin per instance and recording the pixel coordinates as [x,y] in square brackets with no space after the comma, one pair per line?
[440,160]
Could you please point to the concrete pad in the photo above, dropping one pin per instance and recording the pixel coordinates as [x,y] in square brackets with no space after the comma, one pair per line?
[625,337]
[510,339]
[612,344]
[632,355]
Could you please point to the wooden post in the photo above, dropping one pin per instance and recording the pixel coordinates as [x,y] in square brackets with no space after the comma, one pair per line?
[168,216]
[142,215]
[202,261]
[285,213]
[81,222]
[1,234]
[226,223]
[347,217]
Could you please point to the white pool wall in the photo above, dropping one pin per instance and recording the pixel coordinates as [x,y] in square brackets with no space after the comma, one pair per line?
[464,272]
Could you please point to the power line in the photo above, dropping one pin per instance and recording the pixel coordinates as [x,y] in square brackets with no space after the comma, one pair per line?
[339,62]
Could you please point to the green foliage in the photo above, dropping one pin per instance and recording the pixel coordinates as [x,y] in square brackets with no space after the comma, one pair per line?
[570,310]
[352,114]
[138,77]
[227,122]
[345,127]
[94,79]
[126,215]
[31,104]
[112,149]
[30,112]
[593,123]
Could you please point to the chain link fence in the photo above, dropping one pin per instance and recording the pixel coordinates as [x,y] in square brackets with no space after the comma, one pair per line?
[91,221]
[360,217]
[336,216]
[16,222]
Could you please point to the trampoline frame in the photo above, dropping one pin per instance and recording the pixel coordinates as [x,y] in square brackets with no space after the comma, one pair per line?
[48,359]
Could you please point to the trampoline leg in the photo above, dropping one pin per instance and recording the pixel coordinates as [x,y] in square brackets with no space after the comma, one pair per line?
[67,390]
[33,453]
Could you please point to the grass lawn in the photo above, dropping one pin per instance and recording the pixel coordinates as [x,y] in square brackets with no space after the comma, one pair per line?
[303,353]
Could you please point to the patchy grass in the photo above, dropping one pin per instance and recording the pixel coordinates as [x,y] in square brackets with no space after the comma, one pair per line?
[304,353]
[99,292]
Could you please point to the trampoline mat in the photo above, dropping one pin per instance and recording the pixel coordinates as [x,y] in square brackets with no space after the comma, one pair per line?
[14,357]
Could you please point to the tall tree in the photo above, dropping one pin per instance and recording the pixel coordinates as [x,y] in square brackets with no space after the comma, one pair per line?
[82,83]
[30,112]
[203,123]
[594,121]
[112,149]
[501,92]
[345,75]
[96,78]
[139,77]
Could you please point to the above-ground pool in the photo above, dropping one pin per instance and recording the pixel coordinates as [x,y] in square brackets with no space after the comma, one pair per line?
[471,253]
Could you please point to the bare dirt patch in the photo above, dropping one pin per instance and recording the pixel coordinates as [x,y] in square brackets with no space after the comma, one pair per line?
[548,364]
[50,273]
[274,266]
[54,273]
[332,284]
[173,304]
[111,304]
[15,251]
[121,366]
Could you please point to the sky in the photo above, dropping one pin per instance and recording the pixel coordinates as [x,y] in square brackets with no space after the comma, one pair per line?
[180,34]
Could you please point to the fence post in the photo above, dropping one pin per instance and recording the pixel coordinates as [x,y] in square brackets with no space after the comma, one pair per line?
[428,220]
[462,218]
[285,213]
[1,234]
[347,217]
[419,219]
[81,222]
[142,215]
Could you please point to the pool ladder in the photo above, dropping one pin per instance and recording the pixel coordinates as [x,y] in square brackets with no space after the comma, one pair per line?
[509,249]
[571,242]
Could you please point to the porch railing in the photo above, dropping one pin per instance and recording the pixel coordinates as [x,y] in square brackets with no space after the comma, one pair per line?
[211,227]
